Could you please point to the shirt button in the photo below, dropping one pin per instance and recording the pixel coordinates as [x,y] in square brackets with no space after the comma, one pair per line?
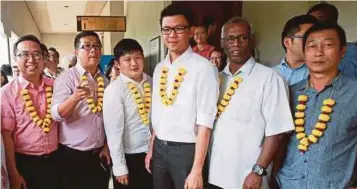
[305,161]
[303,177]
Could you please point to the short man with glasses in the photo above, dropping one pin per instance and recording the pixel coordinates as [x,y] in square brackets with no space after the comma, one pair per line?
[184,97]
[30,135]
[51,70]
[253,115]
[77,105]
[292,67]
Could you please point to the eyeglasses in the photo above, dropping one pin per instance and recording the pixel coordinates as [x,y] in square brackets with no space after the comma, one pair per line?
[177,29]
[88,47]
[26,55]
[240,38]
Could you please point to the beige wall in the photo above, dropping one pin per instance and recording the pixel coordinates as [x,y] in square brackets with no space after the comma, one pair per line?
[62,42]
[268,19]
[16,17]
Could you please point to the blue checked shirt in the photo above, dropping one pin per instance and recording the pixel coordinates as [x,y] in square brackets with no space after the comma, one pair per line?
[348,64]
[328,164]
[291,75]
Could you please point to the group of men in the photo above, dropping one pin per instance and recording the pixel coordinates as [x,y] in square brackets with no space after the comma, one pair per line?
[156,133]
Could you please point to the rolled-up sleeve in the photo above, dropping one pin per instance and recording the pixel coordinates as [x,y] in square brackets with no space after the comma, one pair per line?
[275,107]
[62,89]
[207,96]
[8,121]
[113,115]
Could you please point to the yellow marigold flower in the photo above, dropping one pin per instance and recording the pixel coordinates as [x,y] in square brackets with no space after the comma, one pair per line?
[302,147]
[320,125]
[147,95]
[48,89]
[312,139]
[176,84]
[141,111]
[99,108]
[224,102]
[33,114]
[147,122]
[147,89]
[90,100]
[24,91]
[299,114]
[100,84]
[300,135]
[100,94]
[230,92]
[163,87]
[100,99]
[299,129]
[141,106]
[30,108]
[164,101]
[26,97]
[300,107]
[147,100]
[147,84]
[28,103]
[326,109]
[49,106]
[143,116]
[91,105]
[165,69]
[94,110]
[239,79]
[100,89]
[179,78]
[234,85]
[329,102]
[100,104]
[221,108]
[174,92]
[100,78]
[47,120]
[84,77]
[182,71]
[46,129]
[299,122]
[39,122]
[317,133]
[324,117]
[49,100]
[304,141]
[36,118]
[302,98]
[226,97]
[48,116]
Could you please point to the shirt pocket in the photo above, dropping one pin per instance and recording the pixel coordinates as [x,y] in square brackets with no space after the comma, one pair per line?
[241,108]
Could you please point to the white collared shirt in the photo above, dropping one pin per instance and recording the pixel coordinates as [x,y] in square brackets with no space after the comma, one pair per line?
[125,131]
[259,108]
[196,101]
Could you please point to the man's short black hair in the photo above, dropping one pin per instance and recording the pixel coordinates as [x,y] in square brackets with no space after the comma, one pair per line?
[292,26]
[44,49]
[25,38]
[326,8]
[84,34]
[54,50]
[125,46]
[177,9]
[204,26]
[326,26]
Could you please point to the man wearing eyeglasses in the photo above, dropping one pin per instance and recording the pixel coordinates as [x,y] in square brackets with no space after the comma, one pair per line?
[292,67]
[253,114]
[185,93]
[31,149]
[51,70]
[77,105]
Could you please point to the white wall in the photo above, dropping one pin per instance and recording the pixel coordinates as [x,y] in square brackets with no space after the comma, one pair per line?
[269,18]
[62,42]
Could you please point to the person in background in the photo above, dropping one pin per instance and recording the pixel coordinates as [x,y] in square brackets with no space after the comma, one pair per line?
[292,67]
[4,79]
[326,12]
[51,69]
[7,70]
[112,71]
[218,58]
[202,47]
[15,70]
[127,119]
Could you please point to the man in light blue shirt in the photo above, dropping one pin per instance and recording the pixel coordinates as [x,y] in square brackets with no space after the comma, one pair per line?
[292,67]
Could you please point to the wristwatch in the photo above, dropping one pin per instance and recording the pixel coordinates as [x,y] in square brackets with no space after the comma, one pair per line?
[259,170]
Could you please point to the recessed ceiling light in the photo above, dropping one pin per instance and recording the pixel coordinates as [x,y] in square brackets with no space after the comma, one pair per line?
[66,6]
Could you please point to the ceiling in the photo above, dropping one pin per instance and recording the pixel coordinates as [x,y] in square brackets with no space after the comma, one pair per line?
[60,16]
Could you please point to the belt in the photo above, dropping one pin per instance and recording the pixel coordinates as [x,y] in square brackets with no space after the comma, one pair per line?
[35,157]
[93,151]
[170,143]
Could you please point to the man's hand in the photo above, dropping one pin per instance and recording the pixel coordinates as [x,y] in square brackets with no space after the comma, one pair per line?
[124,179]
[148,158]
[81,92]
[17,181]
[104,153]
[194,181]
[252,181]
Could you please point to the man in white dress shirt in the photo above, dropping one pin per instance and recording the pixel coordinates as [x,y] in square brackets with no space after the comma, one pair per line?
[185,93]
[253,114]
[127,125]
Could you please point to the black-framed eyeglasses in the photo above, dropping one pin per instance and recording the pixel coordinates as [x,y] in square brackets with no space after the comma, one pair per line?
[26,55]
[88,47]
[240,38]
[296,36]
[177,29]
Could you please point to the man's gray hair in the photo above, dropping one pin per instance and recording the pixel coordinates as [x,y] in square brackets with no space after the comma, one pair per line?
[237,20]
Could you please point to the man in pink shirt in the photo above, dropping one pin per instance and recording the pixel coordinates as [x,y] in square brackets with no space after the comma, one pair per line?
[30,135]
[77,105]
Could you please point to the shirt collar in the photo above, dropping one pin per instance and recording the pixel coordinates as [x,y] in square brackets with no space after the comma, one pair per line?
[127,79]
[26,84]
[81,70]
[245,69]
[181,58]
[336,82]
[284,63]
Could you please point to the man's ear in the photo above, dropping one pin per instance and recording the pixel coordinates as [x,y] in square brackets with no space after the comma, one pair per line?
[76,52]
[116,63]
[287,42]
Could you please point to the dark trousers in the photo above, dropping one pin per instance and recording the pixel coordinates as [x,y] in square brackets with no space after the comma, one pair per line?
[83,169]
[39,172]
[139,178]
[172,163]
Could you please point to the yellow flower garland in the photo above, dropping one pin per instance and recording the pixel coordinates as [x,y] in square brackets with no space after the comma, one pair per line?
[143,107]
[169,100]
[320,126]
[91,105]
[227,96]
[44,123]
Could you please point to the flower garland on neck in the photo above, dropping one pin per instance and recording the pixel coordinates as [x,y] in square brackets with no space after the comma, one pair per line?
[320,126]
[165,99]
[143,107]
[227,96]
[45,123]
[91,105]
